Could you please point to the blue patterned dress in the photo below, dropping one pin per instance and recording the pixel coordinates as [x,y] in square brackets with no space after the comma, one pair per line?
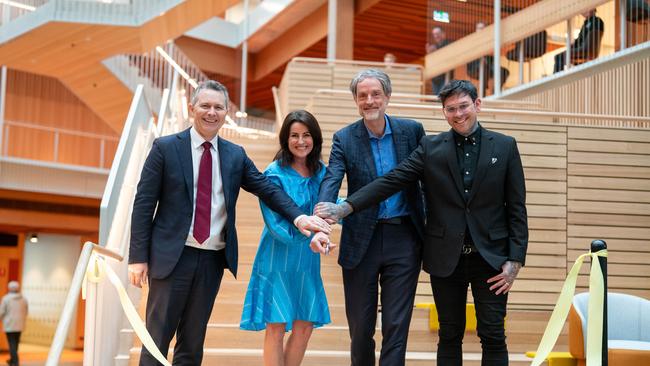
[285,283]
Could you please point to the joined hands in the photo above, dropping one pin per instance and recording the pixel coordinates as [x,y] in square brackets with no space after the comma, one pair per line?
[332,212]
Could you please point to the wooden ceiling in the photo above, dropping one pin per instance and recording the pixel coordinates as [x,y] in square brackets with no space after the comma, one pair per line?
[399,27]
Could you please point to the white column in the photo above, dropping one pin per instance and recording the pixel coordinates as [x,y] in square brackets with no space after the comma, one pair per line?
[569,38]
[3,94]
[331,30]
[244,63]
[497,48]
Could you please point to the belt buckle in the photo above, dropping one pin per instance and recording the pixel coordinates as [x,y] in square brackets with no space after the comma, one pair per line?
[467,249]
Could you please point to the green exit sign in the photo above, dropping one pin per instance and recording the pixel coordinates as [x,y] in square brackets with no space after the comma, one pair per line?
[441,16]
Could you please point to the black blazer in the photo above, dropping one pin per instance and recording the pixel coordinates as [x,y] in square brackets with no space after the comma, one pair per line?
[495,211]
[167,181]
[352,155]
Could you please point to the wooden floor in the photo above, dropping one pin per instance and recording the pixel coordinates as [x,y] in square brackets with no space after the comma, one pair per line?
[33,355]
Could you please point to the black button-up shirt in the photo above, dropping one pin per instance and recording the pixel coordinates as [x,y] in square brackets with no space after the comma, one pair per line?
[467,150]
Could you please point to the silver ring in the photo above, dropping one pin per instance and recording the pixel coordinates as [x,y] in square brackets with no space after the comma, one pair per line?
[507,284]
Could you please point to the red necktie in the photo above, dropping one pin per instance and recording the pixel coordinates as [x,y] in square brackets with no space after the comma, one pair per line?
[203,196]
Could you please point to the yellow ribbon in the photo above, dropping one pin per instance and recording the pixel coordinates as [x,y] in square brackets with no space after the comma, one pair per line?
[95,271]
[563,305]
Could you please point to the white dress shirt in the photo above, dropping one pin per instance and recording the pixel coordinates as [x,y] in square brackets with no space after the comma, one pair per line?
[218,204]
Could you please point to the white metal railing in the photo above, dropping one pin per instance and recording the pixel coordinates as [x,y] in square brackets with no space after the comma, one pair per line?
[540,41]
[12,9]
[155,70]
[102,310]
[115,12]
[55,134]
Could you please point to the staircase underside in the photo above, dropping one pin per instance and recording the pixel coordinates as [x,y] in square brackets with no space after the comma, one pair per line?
[73,51]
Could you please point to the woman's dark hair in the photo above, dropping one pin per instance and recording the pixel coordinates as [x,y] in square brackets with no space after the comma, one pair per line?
[284,156]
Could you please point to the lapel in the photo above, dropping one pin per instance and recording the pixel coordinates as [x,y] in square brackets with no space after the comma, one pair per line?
[363,141]
[400,140]
[484,161]
[452,161]
[224,169]
[184,150]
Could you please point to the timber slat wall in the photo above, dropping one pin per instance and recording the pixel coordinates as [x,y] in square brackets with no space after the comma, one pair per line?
[622,90]
[304,76]
[39,103]
[582,183]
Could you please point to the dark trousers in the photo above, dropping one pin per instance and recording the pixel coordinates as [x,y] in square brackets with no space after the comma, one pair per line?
[182,303]
[393,258]
[450,295]
[13,338]
[559,62]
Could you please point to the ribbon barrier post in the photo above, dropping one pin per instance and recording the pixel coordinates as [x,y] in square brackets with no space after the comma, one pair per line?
[595,351]
[596,246]
[97,269]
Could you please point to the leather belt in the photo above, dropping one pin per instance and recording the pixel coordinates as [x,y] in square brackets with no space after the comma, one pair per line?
[394,220]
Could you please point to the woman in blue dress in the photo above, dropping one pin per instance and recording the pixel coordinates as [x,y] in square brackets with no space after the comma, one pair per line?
[285,292]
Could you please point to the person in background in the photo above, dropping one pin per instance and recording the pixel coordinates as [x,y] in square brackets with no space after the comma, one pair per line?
[587,46]
[285,292]
[389,59]
[474,67]
[13,312]
[438,41]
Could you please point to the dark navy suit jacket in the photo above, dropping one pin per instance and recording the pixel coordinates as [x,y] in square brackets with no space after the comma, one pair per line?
[352,155]
[167,181]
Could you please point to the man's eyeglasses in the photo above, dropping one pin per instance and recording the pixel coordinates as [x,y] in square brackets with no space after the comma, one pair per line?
[460,108]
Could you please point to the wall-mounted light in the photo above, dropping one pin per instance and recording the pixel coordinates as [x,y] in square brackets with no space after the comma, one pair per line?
[33,238]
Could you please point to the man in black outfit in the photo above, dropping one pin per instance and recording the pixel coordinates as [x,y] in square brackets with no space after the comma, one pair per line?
[587,46]
[476,231]
[439,40]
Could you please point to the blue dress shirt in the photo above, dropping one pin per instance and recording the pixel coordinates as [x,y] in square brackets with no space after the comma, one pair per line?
[383,153]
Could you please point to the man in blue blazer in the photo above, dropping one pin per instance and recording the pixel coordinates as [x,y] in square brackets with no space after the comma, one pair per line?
[382,243]
[183,232]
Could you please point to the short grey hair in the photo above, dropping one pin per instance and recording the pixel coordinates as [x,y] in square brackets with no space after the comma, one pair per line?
[381,76]
[211,85]
[13,286]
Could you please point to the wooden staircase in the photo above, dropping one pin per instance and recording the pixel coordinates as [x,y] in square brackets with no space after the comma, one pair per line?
[226,344]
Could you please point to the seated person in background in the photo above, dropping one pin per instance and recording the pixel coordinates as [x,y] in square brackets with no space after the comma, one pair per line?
[637,10]
[587,45]
[439,40]
[474,67]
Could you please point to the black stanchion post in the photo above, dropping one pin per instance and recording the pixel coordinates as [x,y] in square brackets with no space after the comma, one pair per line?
[596,246]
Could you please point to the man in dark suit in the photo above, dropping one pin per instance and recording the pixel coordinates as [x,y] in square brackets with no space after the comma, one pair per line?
[476,231]
[438,41]
[183,232]
[384,241]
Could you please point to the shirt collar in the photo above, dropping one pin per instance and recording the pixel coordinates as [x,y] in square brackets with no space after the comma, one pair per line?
[198,140]
[475,136]
[387,130]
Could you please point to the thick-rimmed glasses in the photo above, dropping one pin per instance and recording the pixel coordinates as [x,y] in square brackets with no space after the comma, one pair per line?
[452,109]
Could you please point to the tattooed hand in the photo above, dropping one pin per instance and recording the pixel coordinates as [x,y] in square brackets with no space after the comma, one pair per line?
[504,280]
[331,211]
